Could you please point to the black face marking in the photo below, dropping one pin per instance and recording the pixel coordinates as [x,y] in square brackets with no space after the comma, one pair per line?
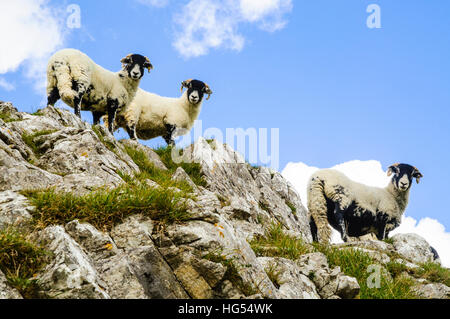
[199,86]
[401,170]
[133,60]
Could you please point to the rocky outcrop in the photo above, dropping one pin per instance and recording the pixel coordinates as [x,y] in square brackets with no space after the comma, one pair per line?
[208,255]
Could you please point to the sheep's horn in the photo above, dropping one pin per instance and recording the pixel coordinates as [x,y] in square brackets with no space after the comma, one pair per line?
[185,84]
[419,176]
[209,92]
[150,67]
[127,57]
[389,172]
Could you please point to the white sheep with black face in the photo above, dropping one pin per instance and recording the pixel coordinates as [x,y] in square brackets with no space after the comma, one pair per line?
[355,209]
[150,115]
[83,85]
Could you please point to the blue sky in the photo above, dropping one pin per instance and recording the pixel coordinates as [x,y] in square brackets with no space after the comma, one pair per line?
[337,90]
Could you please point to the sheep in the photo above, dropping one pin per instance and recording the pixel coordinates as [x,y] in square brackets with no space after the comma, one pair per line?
[150,115]
[83,85]
[355,209]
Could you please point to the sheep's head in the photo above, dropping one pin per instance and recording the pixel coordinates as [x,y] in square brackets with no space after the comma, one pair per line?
[403,175]
[134,65]
[196,90]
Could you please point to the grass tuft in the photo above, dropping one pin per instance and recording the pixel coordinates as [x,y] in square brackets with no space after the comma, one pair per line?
[105,208]
[20,260]
[276,243]
[433,272]
[148,170]
[194,170]
[29,139]
[355,263]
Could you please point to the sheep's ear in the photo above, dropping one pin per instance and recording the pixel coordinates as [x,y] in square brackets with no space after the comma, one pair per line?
[417,175]
[393,169]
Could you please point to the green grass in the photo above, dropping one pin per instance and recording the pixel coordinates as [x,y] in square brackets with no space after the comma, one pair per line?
[292,207]
[105,208]
[355,263]
[6,117]
[194,170]
[433,272]
[232,272]
[148,170]
[29,139]
[274,275]
[276,243]
[20,260]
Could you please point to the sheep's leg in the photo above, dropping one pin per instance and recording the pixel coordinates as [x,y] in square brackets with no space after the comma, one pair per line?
[77,104]
[53,96]
[168,137]
[339,215]
[96,117]
[381,235]
[112,107]
[131,130]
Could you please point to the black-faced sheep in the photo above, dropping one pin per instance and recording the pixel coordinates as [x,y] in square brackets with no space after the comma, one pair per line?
[355,209]
[83,85]
[150,115]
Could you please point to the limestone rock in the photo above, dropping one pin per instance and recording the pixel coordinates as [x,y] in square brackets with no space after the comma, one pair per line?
[414,248]
[293,284]
[6,291]
[15,209]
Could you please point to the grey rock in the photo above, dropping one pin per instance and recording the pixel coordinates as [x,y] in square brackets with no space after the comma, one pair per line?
[348,287]
[413,248]
[70,274]
[6,291]
[15,210]
[181,175]
[293,284]
[432,291]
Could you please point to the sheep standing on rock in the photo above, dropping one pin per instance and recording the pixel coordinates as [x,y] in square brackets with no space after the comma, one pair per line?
[83,85]
[150,115]
[355,209]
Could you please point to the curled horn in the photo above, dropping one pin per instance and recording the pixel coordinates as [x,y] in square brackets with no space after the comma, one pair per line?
[150,66]
[185,84]
[208,91]
[417,174]
[390,169]
[124,60]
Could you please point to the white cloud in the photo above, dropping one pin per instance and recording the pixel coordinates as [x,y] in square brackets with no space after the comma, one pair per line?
[6,85]
[30,31]
[203,24]
[371,173]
